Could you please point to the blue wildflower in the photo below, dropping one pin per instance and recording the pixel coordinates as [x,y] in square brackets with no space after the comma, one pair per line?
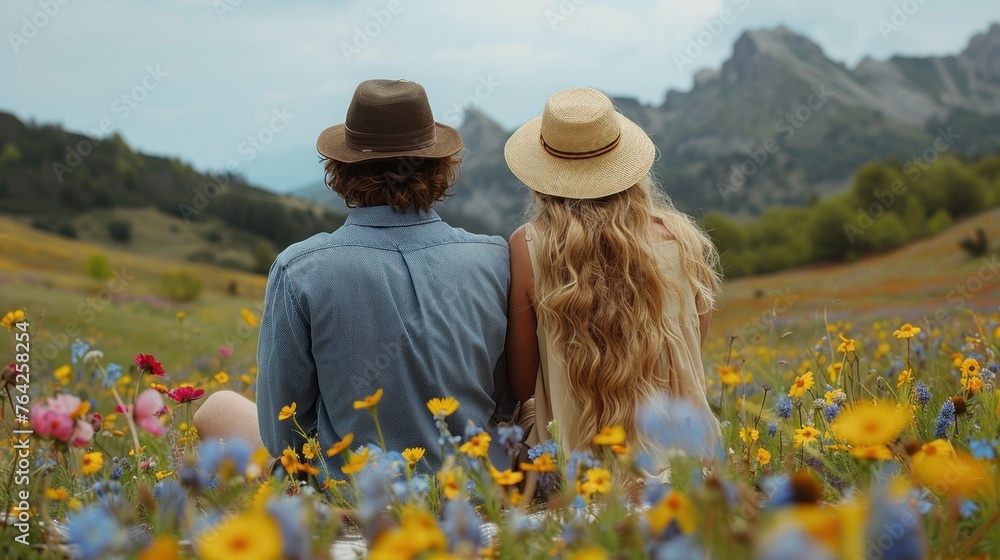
[831,412]
[549,447]
[461,524]
[472,430]
[778,490]
[172,500]
[93,532]
[679,424]
[968,508]
[510,438]
[78,349]
[923,393]
[784,408]
[290,516]
[944,420]
[895,528]
[229,457]
[113,373]
[584,457]
[792,543]
[680,548]
[983,449]
[920,498]
[772,428]
[117,473]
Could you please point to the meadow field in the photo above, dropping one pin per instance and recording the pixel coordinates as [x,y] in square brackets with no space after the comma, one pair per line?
[858,406]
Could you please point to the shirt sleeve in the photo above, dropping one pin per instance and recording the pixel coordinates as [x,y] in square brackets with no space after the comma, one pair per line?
[286,369]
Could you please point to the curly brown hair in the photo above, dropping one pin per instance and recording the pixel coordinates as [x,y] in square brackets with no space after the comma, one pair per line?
[404,183]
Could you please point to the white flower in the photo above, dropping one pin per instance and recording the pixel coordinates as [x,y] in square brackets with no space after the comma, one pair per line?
[91,358]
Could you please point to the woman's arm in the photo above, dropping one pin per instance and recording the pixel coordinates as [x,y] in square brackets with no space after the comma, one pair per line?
[522,341]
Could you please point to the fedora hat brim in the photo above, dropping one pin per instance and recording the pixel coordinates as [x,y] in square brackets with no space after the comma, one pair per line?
[331,144]
[595,177]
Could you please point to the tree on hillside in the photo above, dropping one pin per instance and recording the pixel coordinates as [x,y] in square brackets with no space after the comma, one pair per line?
[826,231]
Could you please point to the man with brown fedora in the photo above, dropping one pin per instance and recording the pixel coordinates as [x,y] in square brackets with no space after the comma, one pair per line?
[394,300]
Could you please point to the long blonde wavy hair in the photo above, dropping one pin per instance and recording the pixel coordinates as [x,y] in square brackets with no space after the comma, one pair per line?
[601,294]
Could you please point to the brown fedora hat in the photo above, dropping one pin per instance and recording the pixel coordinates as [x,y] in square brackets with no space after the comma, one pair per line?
[387,119]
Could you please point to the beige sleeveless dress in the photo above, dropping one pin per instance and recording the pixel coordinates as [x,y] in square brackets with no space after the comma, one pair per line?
[682,374]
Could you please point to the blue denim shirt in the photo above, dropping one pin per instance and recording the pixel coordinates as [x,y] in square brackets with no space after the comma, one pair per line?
[397,301]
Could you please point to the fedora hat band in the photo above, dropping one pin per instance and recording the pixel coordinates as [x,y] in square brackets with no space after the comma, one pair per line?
[581,155]
[390,142]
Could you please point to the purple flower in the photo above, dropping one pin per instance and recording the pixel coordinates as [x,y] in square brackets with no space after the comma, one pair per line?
[944,420]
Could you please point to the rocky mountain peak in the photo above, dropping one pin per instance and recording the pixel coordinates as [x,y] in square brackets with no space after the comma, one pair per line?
[984,54]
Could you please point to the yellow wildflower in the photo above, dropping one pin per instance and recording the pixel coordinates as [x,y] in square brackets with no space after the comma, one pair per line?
[160,475]
[92,462]
[970,368]
[596,481]
[804,435]
[542,463]
[287,412]
[872,452]
[904,377]
[340,445]
[369,401]
[249,318]
[906,331]
[477,445]
[749,435]
[867,424]
[222,378]
[413,455]
[674,507]
[847,345]
[615,435]
[507,477]
[356,461]
[763,456]
[62,374]
[443,406]
[802,384]
[56,494]
[12,318]
[252,534]
[729,375]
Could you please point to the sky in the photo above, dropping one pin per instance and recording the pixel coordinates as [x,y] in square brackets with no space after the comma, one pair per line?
[252,83]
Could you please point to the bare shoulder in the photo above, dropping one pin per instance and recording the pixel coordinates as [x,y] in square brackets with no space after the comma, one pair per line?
[661,231]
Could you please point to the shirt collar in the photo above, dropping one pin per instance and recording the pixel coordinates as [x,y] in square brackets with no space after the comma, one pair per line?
[386,216]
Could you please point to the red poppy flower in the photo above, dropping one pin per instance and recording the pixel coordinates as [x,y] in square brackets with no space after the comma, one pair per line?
[148,364]
[186,394]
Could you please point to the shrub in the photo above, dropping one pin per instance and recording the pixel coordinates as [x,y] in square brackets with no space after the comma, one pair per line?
[180,287]
[98,266]
[120,231]
[940,221]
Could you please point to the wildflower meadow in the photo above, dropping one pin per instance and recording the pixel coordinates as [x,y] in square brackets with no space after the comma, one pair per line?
[840,440]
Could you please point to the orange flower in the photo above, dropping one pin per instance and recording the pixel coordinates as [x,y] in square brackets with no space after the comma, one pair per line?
[369,401]
[340,445]
[287,412]
[615,435]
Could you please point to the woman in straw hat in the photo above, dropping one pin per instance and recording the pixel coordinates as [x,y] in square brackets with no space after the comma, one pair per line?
[611,287]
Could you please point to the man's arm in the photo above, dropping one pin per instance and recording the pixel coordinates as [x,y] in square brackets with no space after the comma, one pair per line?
[522,340]
[286,370]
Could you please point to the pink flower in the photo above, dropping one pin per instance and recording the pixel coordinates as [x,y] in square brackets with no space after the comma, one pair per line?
[148,408]
[64,403]
[225,351]
[147,464]
[148,364]
[186,394]
[48,423]
[82,434]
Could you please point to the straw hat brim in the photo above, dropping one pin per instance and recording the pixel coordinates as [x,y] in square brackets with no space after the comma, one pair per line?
[604,175]
[331,144]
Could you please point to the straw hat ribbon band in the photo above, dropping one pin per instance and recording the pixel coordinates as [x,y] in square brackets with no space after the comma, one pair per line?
[581,155]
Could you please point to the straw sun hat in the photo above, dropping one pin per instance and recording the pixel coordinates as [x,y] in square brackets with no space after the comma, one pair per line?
[579,148]
[387,119]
